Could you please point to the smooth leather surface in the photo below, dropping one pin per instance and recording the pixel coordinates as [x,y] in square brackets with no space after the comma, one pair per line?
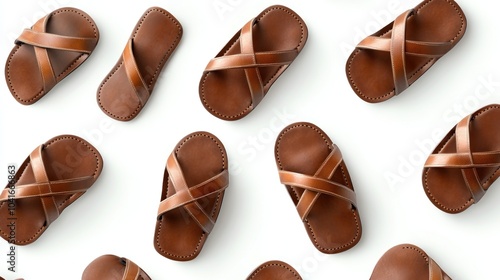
[125,90]
[111,267]
[274,270]
[54,176]
[466,162]
[320,186]
[194,183]
[387,62]
[407,262]
[48,52]
[238,78]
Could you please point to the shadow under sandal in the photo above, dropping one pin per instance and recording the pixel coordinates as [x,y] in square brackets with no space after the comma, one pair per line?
[466,162]
[274,270]
[316,177]
[128,86]
[238,78]
[54,176]
[386,63]
[111,267]
[195,178]
[407,262]
[55,45]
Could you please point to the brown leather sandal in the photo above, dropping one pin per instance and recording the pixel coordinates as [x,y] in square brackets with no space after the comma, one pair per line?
[54,176]
[465,163]
[274,270]
[48,52]
[238,78]
[194,182]
[389,61]
[111,267]
[316,177]
[128,86]
[407,262]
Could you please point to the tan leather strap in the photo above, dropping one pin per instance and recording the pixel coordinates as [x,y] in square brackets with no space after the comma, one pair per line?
[435,272]
[318,184]
[132,271]
[134,76]
[254,80]
[398,47]
[251,61]
[42,41]
[241,61]
[39,171]
[466,160]
[188,197]
[56,42]
[49,189]
[44,188]
[414,48]
[463,146]
[398,41]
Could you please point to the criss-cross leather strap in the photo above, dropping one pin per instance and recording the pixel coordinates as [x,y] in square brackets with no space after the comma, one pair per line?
[132,270]
[42,41]
[134,76]
[251,61]
[318,184]
[466,160]
[44,188]
[399,47]
[187,196]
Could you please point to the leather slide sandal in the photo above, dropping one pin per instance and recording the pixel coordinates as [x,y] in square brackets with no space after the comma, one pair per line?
[274,270]
[128,86]
[53,176]
[466,162]
[389,61]
[407,262]
[48,52]
[111,267]
[316,177]
[238,78]
[195,178]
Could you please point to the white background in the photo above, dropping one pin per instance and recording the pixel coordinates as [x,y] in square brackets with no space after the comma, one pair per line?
[384,145]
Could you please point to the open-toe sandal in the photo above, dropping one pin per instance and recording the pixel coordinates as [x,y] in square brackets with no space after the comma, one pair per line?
[125,90]
[389,61]
[51,178]
[48,52]
[318,182]
[196,176]
[466,162]
[238,78]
